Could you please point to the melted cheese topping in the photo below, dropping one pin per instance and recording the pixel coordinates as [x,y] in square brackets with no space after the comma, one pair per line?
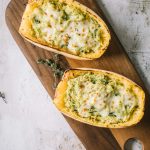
[101,98]
[66,27]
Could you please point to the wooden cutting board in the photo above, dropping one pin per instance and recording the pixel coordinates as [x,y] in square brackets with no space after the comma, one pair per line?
[115,59]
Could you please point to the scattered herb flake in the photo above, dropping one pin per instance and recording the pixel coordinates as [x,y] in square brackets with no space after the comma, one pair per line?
[2,95]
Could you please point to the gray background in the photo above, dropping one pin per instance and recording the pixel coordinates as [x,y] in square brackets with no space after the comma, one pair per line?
[29,121]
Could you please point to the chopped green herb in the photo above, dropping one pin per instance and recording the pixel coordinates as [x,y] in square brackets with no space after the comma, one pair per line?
[95,32]
[112,114]
[93,80]
[92,109]
[37,21]
[105,80]
[117,93]
[63,46]
[54,3]
[65,15]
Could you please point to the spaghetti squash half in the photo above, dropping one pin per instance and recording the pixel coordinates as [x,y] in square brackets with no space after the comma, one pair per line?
[65,27]
[100,98]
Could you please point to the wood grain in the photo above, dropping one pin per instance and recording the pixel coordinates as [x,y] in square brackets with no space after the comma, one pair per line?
[115,59]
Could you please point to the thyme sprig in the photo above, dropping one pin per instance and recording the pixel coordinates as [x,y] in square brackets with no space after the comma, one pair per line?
[58,72]
[53,63]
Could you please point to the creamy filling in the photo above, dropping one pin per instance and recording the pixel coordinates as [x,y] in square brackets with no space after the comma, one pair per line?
[66,27]
[100,98]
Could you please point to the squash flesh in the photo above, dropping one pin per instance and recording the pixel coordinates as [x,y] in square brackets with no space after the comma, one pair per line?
[133,117]
[88,44]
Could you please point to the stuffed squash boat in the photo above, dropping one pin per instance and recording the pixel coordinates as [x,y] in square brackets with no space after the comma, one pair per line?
[65,27]
[100,98]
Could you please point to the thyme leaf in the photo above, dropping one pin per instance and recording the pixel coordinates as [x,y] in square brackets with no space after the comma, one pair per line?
[2,95]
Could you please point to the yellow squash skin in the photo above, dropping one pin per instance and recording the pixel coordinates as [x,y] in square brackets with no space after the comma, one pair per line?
[26,31]
[70,74]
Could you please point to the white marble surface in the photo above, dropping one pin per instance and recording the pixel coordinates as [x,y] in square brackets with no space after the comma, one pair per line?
[29,121]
